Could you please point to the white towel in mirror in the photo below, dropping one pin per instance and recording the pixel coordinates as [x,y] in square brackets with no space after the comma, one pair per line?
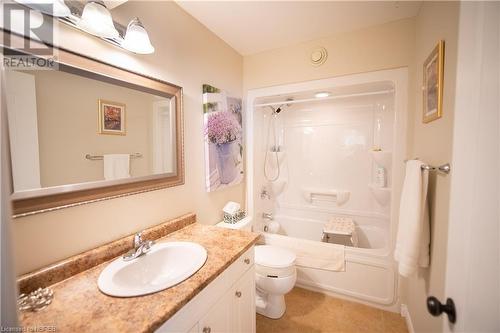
[116,166]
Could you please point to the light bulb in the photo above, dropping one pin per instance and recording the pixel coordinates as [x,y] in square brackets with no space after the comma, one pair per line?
[97,20]
[137,39]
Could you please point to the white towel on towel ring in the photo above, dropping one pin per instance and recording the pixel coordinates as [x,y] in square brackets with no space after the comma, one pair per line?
[413,237]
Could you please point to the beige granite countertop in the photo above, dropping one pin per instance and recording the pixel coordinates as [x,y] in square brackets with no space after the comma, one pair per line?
[79,306]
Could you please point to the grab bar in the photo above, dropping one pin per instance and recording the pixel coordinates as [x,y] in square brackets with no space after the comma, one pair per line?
[338,196]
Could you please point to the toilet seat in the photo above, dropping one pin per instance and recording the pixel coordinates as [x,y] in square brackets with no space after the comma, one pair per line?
[274,262]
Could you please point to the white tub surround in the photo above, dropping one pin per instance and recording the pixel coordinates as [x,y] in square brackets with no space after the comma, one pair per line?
[340,156]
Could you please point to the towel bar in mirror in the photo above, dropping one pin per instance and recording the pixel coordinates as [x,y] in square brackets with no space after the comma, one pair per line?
[82,109]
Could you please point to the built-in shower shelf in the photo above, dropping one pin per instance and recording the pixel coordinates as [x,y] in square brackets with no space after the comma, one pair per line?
[381,194]
[382,158]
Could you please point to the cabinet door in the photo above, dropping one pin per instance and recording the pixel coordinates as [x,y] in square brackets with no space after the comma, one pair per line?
[218,318]
[243,309]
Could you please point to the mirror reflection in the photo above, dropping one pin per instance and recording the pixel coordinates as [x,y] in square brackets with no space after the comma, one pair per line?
[71,129]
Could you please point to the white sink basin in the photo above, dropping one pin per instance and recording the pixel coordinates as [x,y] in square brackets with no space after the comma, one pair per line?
[164,266]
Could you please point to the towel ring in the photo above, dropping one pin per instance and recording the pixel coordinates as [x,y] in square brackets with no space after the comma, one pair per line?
[444,168]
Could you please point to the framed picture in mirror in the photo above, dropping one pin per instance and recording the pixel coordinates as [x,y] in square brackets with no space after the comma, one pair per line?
[111,118]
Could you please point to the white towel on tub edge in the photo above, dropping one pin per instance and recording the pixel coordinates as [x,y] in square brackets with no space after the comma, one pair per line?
[311,254]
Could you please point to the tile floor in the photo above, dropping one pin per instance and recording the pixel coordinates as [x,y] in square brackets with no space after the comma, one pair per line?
[312,312]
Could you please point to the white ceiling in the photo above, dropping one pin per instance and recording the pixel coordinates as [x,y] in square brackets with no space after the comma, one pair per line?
[254,26]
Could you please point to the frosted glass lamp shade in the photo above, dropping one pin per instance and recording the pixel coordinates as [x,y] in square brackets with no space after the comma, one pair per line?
[137,39]
[97,20]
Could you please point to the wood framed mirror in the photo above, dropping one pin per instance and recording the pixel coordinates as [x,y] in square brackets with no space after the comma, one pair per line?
[85,131]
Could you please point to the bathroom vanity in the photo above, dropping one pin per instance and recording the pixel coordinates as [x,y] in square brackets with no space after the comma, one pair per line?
[219,297]
[225,305]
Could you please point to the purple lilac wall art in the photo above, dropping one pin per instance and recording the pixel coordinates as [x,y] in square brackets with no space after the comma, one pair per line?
[223,139]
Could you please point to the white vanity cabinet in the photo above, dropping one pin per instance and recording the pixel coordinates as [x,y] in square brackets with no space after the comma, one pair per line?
[226,305]
[243,307]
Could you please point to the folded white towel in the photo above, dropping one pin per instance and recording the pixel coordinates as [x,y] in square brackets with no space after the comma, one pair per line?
[313,254]
[116,166]
[413,238]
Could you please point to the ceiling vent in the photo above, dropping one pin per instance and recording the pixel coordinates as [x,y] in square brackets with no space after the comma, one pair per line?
[318,56]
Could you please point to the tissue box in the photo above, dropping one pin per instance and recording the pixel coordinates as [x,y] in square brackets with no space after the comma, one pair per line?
[234,218]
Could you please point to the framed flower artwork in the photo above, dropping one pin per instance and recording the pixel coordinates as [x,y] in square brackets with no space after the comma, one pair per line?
[223,139]
[111,118]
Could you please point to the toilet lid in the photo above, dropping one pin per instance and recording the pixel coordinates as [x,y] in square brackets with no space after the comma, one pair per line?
[272,256]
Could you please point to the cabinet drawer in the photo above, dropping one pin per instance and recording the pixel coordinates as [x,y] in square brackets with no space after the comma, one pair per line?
[245,261]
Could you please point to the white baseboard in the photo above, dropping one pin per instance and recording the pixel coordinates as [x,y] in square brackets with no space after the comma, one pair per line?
[405,313]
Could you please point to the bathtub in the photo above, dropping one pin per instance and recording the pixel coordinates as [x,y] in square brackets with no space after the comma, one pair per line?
[370,259]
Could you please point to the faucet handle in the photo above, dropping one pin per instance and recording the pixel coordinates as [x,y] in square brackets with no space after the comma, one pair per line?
[147,246]
[137,239]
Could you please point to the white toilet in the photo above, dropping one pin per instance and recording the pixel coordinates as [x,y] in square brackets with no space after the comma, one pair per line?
[275,276]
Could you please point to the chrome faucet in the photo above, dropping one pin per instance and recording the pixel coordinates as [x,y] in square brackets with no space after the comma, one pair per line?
[140,247]
[268,216]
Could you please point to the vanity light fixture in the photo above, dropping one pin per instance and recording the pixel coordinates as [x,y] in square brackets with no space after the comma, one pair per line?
[137,39]
[322,94]
[56,8]
[96,20]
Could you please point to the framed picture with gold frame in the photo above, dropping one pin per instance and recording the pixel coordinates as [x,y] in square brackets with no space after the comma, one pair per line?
[111,118]
[433,84]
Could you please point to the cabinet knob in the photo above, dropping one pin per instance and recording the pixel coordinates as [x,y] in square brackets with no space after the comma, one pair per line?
[207,330]
[238,294]
[247,261]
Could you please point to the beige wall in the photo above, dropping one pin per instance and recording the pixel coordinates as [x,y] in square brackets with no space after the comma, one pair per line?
[384,46]
[432,143]
[67,109]
[188,55]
